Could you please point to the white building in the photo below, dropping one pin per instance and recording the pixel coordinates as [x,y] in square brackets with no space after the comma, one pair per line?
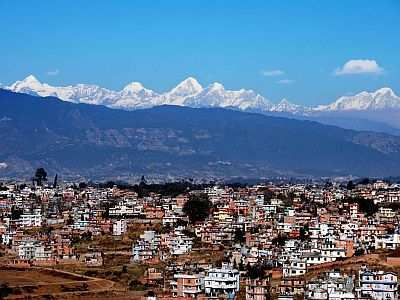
[119,227]
[377,285]
[180,245]
[33,250]
[121,210]
[333,286]
[294,267]
[389,241]
[146,247]
[222,281]
[31,220]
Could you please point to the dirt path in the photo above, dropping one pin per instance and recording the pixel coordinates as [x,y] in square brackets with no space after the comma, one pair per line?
[94,286]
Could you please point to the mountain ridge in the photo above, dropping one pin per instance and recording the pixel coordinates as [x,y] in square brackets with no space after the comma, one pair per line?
[92,141]
[377,111]
[191,93]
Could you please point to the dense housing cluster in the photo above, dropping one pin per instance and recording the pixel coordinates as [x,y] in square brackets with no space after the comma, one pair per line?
[267,241]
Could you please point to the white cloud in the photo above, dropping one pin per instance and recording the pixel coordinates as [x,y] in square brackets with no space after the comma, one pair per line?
[359,66]
[285,81]
[270,73]
[3,165]
[53,72]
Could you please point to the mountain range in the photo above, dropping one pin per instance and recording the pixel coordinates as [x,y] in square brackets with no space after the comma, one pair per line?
[190,93]
[135,96]
[173,141]
[374,111]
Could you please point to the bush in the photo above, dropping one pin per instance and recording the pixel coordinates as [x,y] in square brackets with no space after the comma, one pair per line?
[136,285]
[197,208]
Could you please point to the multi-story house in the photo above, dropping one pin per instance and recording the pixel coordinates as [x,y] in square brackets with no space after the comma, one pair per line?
[332,286]
[188,285]
[379,285]
[119,227]
[31,220]
[222,281]
[294,267]
[146,247]
[258,289]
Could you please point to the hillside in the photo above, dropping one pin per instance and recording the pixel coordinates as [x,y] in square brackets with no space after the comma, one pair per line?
[97,142]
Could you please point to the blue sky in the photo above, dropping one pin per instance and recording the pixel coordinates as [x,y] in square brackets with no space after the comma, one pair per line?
[282,48]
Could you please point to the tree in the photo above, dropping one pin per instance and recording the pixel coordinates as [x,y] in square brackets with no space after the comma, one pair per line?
[365,181]
[181,222]
[268,195]
[55,182]
[5,290]
[197,208]
[16,213]
[239,236]
[256,272]
[83,185]
[151,294]
[304,232]
[280,240]
[350,185]
[359,252]
[40,176]
[143,181]
[367,206]
[328,184]
[70,220]
[109,184]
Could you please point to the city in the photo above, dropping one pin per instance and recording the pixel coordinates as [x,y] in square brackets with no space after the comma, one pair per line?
[181,240]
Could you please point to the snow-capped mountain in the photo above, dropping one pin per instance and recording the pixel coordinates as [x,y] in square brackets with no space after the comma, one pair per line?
[177,96]
[381,99]
[285,106]
[190,93]
[134,96]
[215,95]
[80,93]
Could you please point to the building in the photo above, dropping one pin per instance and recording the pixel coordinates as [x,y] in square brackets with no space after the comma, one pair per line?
[31,220]
[119,227]
[222,281]
[332,286]
[187,285]
[294,267]
[377,285]
[257,289]
[146,246]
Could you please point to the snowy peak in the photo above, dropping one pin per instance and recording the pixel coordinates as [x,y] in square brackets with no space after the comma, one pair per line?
[288,107]
[384,92]
[215,95]
[177,96]
[190,93]
[133,87]
[381,99]
[189,86]
[136,89]
[216,87]
[30,82]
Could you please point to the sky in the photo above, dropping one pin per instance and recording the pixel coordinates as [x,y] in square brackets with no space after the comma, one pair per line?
[310,52]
